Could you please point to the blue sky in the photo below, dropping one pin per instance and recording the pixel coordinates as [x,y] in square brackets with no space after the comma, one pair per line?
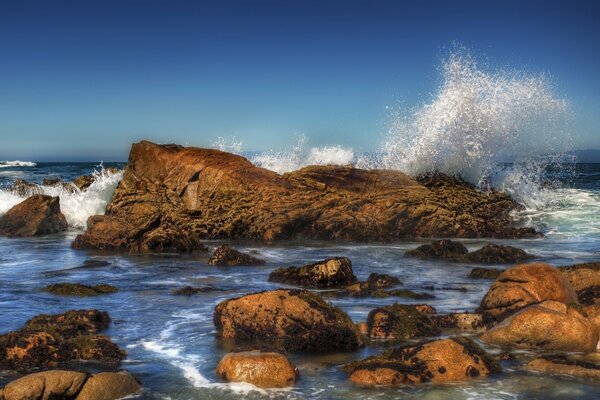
[85,79]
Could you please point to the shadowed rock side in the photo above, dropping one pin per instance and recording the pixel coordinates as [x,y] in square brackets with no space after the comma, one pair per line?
[172,197]
[38,215]
[585,279]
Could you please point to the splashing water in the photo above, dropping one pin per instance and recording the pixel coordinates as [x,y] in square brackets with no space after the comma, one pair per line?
[16,163]
[301,155]
[76,205]
[478,119]
[230,145]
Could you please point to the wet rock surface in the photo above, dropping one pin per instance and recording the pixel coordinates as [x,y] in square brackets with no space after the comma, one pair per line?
[294,319]
[172,197]
[331,273]
[50,340]
[69,385]
[35,216]
[585,279]
[77,289]
[399,322]
[440,361]
[523,285]
[547,326]
[226,256]
[562,365]
[262,369]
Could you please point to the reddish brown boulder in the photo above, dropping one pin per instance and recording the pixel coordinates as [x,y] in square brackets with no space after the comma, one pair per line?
[293,319]
[201,194]
[38,215]
[330,273]
[109,386]
[262,369]
[523,285]
[547,326]
[440,361]
[226,256]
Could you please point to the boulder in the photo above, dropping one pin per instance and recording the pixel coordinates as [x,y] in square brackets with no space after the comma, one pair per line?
[201,194]
[47,385]
[485,273]
[262,369]
[562,365]
[439,249]
[399,322]
[440,361]
[50,340]
[226,256]
[294,319]
[546,326]
[523,285]
[585,279]
[463,321]
[330,273]
[497,254]
[77,289]
[38,215]
[381,281]
[109,386]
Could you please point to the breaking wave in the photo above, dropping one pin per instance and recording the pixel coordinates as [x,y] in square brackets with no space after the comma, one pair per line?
[17,163]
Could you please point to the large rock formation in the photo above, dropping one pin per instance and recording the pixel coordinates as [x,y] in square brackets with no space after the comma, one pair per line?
[523,285]
[547,326]
[292,319]
[38,215]
[262,369]
[440,361]
[172,197]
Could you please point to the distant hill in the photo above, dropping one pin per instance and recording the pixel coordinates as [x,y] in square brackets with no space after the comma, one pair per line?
[587,156]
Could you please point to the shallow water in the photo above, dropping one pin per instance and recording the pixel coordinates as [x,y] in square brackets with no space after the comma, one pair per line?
[171,341]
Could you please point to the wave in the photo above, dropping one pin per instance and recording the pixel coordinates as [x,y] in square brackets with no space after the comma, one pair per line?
[16,163]
[76,205]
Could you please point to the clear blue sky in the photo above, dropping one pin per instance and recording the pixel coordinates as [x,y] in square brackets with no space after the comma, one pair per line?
[84,79]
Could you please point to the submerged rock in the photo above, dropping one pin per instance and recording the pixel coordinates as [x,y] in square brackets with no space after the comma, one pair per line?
[331,273]
[295,319]
[68,385]
[226,256]
[440,361]
[485,273]
[585,279]
[262,369]
[463,321]
[197,194]
[562,365]
[523,285]
[49,340]
[77,289]
[439,249]
[497,254]
[547,326]
[190,290]
[381,281]
[399,322]
[38,215]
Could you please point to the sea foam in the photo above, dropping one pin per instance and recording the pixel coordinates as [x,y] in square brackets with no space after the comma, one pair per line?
[17,163]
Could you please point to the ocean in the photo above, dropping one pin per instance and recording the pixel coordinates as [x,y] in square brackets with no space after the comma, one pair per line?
[171,341]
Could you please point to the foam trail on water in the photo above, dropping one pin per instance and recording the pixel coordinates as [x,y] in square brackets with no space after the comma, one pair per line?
[76,205]
[301,155]
[17,163]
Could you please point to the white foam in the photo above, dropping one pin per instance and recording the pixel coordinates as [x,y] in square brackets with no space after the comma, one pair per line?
[76,205]
[17,163]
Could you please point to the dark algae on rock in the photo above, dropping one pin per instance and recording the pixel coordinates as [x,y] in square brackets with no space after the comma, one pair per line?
[77,289]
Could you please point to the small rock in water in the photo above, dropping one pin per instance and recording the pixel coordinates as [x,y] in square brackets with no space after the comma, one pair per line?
[439,249]
[262,369]
[330,273]
[226,256]
[496,254]
[190,290]
[381,281]
[485,273]
[399,322]
[38,215]
[463,321]
[77,289]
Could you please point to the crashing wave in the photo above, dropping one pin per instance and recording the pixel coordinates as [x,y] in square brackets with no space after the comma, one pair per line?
[16,163]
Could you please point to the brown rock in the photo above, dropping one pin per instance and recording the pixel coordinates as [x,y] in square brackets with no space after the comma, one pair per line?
[593,314]
[440,361]
[485,273]
[201,194]
[381,281]
[439,249]
[109,386]
[399,322]
[294,319]
[496,254]
[25,189]
[585,279]
[547,326]
[265,370]
[77,289]
[38,215]
[463,321]
[50,340]
[83,182]
[425,309]
[561,365]
[330,273]
[47,385]
[226,256]
[523,285]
